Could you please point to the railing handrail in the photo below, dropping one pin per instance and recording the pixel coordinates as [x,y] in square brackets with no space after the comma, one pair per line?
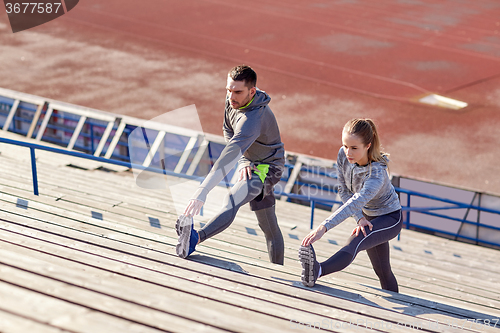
[132,165]
[96,158]
[457,203]
[198,178]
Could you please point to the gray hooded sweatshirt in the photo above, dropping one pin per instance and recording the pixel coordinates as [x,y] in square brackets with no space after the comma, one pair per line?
[252,137]
[363,189]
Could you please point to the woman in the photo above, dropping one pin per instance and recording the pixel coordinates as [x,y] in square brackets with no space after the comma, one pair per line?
[368,196]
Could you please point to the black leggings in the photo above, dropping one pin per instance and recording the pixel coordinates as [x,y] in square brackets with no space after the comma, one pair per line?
[376,244]
[241,193]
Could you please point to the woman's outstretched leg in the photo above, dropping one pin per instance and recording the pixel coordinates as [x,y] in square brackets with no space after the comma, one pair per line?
[385,228]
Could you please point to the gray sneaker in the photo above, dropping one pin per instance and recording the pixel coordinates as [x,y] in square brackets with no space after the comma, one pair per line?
[310,266]
[188,237]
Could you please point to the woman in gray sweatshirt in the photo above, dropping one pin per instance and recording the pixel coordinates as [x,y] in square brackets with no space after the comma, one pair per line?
[367,195]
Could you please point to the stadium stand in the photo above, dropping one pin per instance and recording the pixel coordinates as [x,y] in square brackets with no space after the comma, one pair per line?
[94,252]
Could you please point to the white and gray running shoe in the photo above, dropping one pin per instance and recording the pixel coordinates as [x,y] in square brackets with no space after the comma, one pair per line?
[188,237]
[310,266]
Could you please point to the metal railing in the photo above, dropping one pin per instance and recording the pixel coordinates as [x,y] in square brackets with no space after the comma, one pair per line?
[442,208]
[429,210]
[451,205]
[33,147]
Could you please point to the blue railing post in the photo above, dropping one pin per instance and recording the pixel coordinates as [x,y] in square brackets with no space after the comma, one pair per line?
[201,210]
[408,211]
[92,139]
[313,204]
[33,171]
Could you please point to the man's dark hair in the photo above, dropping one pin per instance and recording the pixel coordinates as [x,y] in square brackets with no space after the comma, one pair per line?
[244,73]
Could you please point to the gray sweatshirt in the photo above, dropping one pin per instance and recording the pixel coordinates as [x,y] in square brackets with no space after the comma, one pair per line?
[252,137]
[365,189]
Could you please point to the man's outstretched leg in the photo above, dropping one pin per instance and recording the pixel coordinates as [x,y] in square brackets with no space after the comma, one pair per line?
[241,193]
[188,237]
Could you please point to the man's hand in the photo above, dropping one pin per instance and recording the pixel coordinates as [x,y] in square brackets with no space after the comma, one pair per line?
[362,223]
[246,172]
[193,208]
[314,235]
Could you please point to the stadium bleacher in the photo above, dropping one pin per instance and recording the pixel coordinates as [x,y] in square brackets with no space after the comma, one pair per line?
[94,252]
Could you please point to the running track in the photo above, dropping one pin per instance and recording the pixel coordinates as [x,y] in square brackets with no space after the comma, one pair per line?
[322,62]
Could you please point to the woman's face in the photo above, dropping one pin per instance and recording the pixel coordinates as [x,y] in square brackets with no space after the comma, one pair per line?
[354,149]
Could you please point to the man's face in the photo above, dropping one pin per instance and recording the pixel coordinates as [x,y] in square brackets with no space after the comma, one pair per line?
[238,93]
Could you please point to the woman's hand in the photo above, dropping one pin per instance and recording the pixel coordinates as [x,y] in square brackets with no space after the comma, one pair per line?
[314,235]
[362,223]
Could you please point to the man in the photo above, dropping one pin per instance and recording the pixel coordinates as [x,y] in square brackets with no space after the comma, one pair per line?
[253,140]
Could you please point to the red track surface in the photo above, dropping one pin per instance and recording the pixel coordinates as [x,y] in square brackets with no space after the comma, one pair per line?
[322,62]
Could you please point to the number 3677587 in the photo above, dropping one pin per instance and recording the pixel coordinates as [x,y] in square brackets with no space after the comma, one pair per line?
[32,8]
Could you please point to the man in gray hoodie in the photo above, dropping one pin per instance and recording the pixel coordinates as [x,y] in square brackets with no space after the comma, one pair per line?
[254,142]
